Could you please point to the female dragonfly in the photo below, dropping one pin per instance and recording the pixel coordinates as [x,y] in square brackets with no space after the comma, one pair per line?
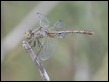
[47,48]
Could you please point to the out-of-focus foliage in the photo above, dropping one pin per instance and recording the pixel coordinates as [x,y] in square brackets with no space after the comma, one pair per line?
[103,71]
[77,56]
[13,12]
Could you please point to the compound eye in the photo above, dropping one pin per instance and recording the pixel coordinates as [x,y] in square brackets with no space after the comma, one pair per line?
[26,35]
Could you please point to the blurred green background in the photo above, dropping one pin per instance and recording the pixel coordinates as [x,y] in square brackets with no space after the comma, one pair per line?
[78,57]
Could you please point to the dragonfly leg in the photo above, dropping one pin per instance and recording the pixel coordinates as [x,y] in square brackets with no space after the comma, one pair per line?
[33,44]
[39,45]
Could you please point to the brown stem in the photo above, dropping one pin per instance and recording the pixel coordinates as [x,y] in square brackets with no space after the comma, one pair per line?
[37,61]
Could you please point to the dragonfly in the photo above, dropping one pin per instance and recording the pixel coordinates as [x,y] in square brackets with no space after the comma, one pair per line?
[49,34]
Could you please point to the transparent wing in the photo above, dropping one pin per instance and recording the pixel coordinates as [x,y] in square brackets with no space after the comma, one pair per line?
[49,48]
[43,21]
[58,26]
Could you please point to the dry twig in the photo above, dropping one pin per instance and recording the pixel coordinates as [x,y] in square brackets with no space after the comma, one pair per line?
[37,61]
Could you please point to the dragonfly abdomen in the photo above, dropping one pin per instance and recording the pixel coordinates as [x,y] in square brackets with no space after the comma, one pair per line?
[76,31]
[83,32]
[61,34]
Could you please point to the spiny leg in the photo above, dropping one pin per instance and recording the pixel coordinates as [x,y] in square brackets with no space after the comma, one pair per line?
[39,45]
[32,43]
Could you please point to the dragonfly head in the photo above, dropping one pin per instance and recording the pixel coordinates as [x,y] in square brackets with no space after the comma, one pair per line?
[28,34]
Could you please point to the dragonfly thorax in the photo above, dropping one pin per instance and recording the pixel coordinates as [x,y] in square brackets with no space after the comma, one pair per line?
[41,33]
